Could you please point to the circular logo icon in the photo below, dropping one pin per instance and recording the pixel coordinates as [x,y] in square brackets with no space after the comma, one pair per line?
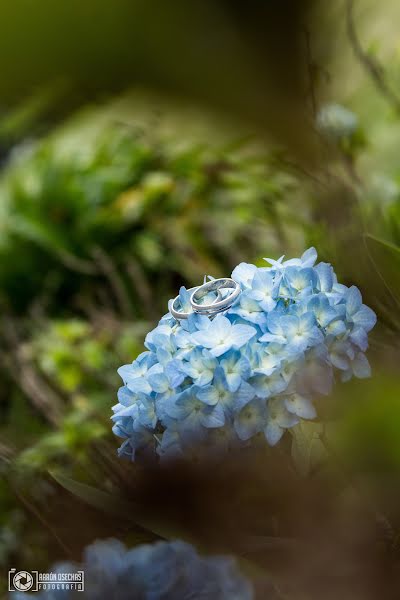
[23,581]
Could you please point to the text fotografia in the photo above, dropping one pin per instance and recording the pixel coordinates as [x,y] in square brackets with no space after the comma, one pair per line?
[34,581]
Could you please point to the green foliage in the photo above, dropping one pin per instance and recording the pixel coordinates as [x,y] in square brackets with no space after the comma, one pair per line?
[140,199]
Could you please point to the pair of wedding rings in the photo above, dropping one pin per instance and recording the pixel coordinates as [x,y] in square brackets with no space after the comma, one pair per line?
[220,304]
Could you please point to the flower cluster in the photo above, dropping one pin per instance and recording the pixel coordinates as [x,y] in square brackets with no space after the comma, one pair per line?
[160,571]
[215,383]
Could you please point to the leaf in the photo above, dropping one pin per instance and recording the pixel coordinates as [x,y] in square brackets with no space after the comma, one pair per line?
[392,249]
[42,234]
[307,447]
[118,507]
[95,497]
[385,257]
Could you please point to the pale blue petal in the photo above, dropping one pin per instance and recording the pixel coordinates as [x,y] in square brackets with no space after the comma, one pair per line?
[273,433]
[213,417]
[243,396]
[325,276]
[300,406]
[244,273]
[208,395]
[359,337]
[353,300]
[365,318]
[309,257]
[241,334]
[360,366]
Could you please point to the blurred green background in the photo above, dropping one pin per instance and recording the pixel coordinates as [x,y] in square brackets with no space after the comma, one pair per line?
[146,144]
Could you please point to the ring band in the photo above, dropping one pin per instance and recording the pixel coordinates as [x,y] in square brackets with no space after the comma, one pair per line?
[184,315]
[212,286]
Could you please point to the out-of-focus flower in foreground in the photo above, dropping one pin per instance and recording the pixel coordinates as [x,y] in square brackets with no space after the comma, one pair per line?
[160,571]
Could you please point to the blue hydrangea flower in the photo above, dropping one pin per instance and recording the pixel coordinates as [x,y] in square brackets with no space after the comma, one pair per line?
[160,571]
[220,335]
[254,371]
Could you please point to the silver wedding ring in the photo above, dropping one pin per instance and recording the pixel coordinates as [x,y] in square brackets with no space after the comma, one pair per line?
[178,314]
[215,285]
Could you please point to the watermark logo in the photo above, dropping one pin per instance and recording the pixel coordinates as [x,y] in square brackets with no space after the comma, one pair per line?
[34,581]
[21,581]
